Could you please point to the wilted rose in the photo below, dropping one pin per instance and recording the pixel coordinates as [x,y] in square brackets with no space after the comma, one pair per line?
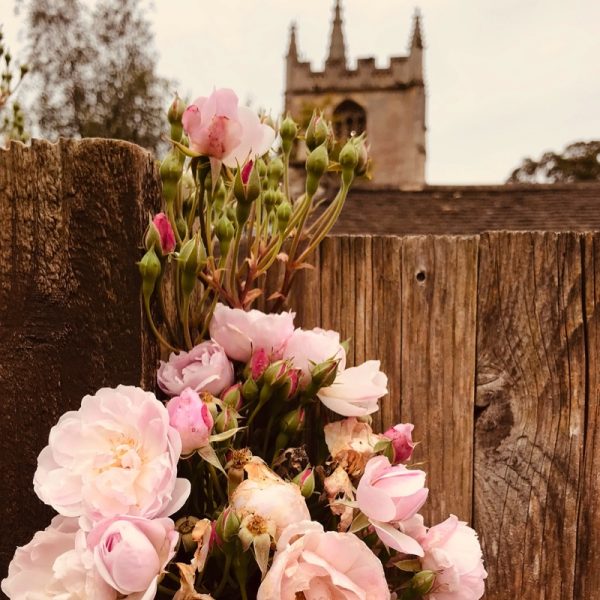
[265,494]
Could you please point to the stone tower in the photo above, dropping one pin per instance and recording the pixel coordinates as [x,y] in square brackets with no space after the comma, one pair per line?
[389,103]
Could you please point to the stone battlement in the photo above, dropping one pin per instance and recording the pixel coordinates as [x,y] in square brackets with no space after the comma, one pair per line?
[400,73]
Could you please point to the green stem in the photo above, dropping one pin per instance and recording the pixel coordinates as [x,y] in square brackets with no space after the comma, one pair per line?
[234,261]
[153,328]
[225,575]
[215,478]
[185,322]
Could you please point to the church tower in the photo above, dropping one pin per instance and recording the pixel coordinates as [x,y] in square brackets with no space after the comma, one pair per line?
[388,103]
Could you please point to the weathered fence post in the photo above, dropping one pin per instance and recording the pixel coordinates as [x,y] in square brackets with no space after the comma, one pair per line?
[71,220]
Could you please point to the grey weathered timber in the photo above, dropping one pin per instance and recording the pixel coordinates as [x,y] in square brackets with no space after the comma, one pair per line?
[72,216]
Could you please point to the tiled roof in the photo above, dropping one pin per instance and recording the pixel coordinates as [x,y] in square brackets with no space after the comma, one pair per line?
[472,209]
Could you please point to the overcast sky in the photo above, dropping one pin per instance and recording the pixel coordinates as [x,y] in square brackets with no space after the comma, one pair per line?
[505,78]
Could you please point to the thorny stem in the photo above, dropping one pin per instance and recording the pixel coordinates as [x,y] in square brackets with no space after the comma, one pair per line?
[155,331]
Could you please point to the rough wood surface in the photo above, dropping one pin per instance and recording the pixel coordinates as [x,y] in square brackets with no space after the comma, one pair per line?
[72,218]
[439,302]
[531,385]
[490,345]
[410,303]
[587,574]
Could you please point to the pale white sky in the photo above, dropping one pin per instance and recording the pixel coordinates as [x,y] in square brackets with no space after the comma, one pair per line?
[505,78]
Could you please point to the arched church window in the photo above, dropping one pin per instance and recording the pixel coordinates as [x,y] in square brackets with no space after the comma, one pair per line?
[349,119]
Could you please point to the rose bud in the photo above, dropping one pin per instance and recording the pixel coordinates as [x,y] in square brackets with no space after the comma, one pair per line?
[293,422]
[259,363]
[317,131]
[250,390]
[150,270]
[288,132]
[232,397]
[402,443]
[174,114]
[226,420]
[306,482]
[275,172]
[192,419]
[316,165]
[284,213]
[422,582]
[228,525]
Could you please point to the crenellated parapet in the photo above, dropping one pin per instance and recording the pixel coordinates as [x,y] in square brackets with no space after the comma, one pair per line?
[400,73]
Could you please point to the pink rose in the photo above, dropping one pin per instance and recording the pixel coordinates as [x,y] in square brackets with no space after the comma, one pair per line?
[241,332]
[116,455]
[355,391]
[307,348]
[259,363]
[323,564]
[205,368]
[192,419]
[131,552]
[49,566]
[265,494]
[219,128]
[389,493]
[453,553]
[165,231]
[402,444]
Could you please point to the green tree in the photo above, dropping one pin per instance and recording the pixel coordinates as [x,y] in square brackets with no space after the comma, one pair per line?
[93,71]
[12,123]
[579,161]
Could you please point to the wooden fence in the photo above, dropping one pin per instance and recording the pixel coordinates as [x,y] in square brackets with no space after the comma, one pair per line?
[491,344]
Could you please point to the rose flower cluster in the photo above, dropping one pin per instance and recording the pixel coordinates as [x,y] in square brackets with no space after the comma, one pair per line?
[254,473]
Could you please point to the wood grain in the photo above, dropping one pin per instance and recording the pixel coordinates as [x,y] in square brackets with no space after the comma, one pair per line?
[587,574]
[531,393]
[439,302]
[73,214]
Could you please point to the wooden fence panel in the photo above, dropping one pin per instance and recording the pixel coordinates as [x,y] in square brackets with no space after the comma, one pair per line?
[439,302]
[531,390]
[587,574]
[490,345]
[70,322]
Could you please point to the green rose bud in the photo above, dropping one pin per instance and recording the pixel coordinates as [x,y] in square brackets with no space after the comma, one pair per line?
[150,270]
[284,213]
[288,132]
[316,165]
[422,582]
[188,259]
[317,131]
[275,172]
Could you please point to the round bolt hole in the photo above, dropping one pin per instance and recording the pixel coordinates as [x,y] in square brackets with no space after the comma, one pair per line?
[420,276]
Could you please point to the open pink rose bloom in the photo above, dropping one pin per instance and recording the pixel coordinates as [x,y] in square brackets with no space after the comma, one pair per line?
[219,128]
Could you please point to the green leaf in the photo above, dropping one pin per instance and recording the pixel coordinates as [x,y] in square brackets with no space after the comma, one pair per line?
[221,437]
[410,566]
[210,456]
[360,522]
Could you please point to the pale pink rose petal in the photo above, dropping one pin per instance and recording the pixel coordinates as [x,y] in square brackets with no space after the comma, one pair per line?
[256,139]
[396,539]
